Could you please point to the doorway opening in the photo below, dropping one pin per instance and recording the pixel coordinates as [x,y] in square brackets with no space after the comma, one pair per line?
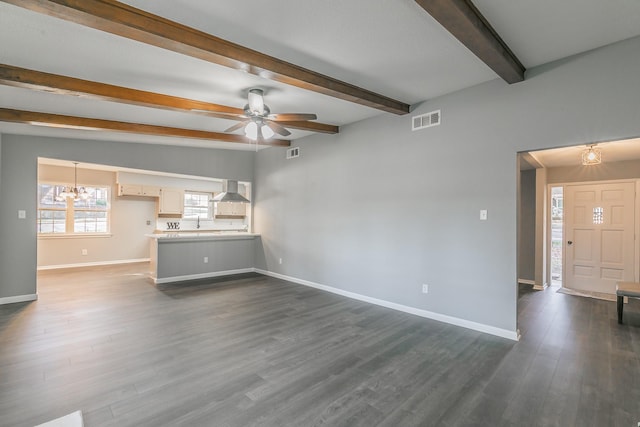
[577,221]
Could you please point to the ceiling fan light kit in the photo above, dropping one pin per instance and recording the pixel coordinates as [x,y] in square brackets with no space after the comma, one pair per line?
[251,130]
[259,124]
[255,131]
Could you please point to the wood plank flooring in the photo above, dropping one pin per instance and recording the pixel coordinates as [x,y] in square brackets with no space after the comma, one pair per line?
[250,350]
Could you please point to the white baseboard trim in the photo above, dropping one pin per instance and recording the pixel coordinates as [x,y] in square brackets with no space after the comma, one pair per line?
[527,282]
[201,275]
[93,264]
[480,327]
[18,298]
[540,287]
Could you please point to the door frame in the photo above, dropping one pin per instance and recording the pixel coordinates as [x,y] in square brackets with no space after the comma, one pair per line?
[636,258]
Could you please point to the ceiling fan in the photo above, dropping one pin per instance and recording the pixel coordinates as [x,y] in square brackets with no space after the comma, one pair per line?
[259,124]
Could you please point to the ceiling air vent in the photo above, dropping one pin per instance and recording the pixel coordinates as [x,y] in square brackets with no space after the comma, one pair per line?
[426,120]
[293,152]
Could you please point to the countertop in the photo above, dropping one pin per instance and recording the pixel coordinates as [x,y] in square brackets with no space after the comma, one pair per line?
[205,235]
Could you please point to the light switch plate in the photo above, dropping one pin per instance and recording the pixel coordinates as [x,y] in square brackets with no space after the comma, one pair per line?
[22,214]
[483,215]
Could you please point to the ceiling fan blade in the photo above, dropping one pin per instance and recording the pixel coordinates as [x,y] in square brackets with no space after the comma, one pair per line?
[280,130]
[292,117]
[222,115]
[237,126]
[256,101]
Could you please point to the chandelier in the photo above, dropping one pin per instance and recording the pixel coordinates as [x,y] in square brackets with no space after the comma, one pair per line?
[74,193]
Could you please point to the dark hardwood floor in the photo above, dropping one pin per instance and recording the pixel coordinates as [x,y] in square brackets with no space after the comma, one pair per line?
[256,351]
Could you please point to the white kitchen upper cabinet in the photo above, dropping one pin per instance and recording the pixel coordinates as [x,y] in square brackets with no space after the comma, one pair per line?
[231,209]
[171,201]
[223,208]
[150,191]
[239,209]
[138,190]
[129,190]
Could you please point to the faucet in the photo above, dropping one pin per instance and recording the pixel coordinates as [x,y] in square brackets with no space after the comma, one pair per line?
[198,224]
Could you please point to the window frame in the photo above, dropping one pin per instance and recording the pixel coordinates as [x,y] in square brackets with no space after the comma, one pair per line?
[70,211]
[209,205]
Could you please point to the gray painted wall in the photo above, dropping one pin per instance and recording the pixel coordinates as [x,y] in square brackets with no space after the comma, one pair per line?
[181,258]
[18,187]
[527,227]
[379,209]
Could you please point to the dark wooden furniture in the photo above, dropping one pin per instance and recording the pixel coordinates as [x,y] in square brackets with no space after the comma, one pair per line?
[626,289]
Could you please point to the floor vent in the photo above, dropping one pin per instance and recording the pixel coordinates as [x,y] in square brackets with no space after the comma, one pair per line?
[426,120]
[293,152]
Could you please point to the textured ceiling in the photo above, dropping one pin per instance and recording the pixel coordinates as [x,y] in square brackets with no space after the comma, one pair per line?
[390,47]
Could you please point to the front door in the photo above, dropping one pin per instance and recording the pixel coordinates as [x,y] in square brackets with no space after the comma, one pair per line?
[599,237]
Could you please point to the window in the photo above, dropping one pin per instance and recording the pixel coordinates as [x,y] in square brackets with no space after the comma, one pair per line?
[197,205]
[51,213]
[598,215]
[69,216]
[92,215]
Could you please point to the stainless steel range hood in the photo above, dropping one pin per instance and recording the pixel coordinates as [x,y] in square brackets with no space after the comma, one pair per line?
[230,193]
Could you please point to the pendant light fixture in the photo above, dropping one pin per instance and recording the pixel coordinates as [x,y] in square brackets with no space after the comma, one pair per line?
[591,155]
[74,193]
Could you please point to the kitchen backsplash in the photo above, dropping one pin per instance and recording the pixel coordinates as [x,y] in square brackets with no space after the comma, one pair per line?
[172,224]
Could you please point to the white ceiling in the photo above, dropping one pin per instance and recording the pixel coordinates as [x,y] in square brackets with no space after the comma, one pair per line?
[390,47]
[616,151]
[541,31]
[108,168]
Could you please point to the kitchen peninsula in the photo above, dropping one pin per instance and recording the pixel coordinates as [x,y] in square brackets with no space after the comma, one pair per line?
[196,255]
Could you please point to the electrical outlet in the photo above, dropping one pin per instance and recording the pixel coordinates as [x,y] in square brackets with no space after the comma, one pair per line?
[85,252]
[280,261]
[425,288]
[483,215]
[206,259]
[22,214]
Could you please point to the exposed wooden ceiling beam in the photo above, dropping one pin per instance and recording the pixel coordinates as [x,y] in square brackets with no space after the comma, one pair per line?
[312,126]
[127,21]
[465,22]
[73,122]
[54,83]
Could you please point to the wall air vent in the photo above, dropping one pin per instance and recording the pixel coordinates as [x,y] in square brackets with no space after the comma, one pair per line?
[426,120]
[293,152]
